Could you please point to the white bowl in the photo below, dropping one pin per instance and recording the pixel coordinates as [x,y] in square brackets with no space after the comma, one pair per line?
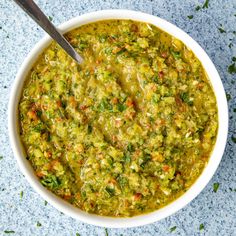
[112,222]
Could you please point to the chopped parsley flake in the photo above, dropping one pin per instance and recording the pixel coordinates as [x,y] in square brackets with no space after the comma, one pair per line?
[197,8]
[172,229]
[232,68]
[215,187]
[1,157]
[45,203]
[50,18]
[106,232]
[228,96]
[233,139]
[234,59]
[77,234]
[9,232]
[201,227]
[38,224]
[190,17]
[21,194]
[221,30]
[206,4]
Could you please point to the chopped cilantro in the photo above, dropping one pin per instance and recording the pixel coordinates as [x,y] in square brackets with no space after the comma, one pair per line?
[45,203]
[21,194]
[172,229]
[234,110]
[106,232]
[190,17]
[234,59]
[185,98]
[176,55]
[122,181]
[233,139]
[230,45]
[51,181]
[201,227]
[206,4]
[130,147]
[38,224]
[39,113]
[197,8]
[77,234]
[1,157]
[228,96]
[215,187]
[232,68]
[110,191]
[9,232]
[221,30]
[121,107]
[50,18]
[90,129]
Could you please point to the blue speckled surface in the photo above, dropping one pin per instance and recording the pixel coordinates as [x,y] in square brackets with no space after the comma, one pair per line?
[18,34]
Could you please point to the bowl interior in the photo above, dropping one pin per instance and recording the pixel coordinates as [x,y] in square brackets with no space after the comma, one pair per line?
[195,189]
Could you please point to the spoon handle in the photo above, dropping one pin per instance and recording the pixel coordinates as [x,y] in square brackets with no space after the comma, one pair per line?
[38,16]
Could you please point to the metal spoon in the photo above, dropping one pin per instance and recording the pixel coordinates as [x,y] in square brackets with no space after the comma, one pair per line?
[38,16]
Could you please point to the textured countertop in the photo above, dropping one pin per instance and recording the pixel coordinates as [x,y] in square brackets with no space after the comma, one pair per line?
[23,211]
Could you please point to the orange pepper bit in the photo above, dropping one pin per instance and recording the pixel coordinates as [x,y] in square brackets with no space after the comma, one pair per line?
[32,115]
[165,168]
[137,196]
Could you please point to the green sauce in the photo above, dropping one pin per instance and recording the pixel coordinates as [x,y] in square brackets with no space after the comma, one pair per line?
[126,132]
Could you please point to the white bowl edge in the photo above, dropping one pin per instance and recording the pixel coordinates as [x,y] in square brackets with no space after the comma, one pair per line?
[173,207]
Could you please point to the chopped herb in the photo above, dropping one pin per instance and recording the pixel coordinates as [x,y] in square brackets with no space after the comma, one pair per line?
[38,224]
[176,55]
[50,18]
[233,139]
[77,234]
[106,232]
[234,110]
[185,98]
[228,96]
[90,129]
[51,181]
[230,45]
[121,107]
[201,227]
[206,4]
[38,128]
[155,98]
[197,8]
[102,38]
[221,30]
[39,113]
[21,194]
[172,229]
[122,181]
[190,17]
[215,187]
[130,147]
[9,232]
[234,59]
[1,157]
[45,203]
[127,158]
[232,68]
[110,191]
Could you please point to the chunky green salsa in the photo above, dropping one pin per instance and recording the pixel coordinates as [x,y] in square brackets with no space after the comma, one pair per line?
[126,132]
